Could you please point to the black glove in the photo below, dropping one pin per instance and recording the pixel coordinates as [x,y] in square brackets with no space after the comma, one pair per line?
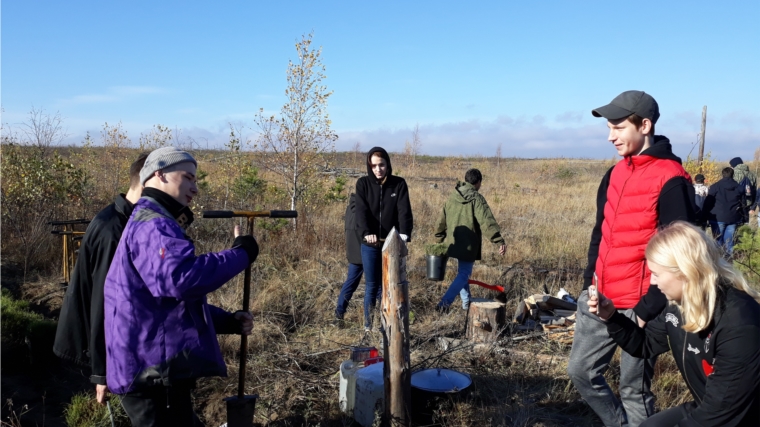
[248,243]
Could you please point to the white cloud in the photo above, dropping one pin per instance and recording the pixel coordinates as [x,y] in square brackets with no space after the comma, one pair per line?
[112,94]
[534,138]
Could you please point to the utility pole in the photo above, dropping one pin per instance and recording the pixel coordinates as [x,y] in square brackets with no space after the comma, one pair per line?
[702,138]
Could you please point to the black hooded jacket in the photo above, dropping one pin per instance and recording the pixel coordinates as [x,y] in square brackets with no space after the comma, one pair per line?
[725,201]
[382,205]
[721,364]
[353,240]
[80,337]
[676,202]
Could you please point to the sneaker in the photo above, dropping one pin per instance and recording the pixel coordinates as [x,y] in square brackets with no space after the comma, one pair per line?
[466,306]
[339,323]
[442,309]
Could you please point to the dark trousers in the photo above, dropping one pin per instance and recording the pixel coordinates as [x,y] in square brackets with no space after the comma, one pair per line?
[355,272]
[372,258]
[668,418]
[160,406]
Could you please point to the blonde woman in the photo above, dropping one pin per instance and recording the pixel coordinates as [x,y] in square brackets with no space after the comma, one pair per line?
[711,325]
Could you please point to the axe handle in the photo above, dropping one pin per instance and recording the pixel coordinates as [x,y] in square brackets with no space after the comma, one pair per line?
[246,306]
[486,285]
[250,214]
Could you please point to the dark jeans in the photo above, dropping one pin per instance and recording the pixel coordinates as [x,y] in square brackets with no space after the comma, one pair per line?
[355,272]
[372,258]
[159,406]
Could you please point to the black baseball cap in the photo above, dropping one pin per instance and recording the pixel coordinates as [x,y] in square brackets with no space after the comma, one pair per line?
[630,102]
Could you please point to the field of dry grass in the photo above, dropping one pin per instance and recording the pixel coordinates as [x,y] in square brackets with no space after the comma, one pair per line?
[546,212]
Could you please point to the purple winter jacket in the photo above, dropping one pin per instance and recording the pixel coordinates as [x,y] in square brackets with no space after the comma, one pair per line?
[159,327]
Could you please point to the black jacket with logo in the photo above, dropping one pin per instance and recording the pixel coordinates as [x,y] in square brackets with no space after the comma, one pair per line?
[380,206]
[721,364]
[80,337]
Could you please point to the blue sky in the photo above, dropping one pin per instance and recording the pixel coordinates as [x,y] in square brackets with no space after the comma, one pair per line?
[472,74]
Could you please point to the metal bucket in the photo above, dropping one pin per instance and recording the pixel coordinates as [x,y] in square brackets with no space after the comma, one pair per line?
[434,387]
[436,267]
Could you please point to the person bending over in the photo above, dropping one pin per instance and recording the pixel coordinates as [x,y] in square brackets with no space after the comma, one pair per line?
[711,325]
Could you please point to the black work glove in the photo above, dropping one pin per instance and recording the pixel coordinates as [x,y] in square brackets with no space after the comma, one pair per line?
[248,243]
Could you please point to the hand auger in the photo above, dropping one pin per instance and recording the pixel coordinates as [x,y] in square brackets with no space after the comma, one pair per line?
[240,408]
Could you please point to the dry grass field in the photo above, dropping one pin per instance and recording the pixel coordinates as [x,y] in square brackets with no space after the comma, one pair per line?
[546,212]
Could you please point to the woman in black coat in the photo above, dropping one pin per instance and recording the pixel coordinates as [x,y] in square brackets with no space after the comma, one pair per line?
[712,327]
[382,203]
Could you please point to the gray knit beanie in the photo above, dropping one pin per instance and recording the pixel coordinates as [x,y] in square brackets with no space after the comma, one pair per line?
[162,158]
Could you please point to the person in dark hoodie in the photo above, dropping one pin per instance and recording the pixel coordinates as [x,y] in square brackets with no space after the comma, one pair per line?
[465,217]
[382,203]
[80,336]
[647,189]
[711,326]
[726,200]
[354,257]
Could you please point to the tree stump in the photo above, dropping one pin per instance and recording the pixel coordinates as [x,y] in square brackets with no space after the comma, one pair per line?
[485,320]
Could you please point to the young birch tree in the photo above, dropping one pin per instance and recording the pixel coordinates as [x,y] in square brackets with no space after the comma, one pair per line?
[294,143]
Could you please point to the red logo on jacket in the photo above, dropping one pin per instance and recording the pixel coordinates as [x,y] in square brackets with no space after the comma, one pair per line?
[708,368]
[162,252]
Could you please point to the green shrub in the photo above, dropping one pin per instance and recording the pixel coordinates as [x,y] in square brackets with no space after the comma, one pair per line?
[747,253]
[437,249]
[85,411]
[16,318]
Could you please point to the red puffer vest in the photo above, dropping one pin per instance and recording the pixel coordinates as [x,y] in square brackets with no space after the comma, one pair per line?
[630,220]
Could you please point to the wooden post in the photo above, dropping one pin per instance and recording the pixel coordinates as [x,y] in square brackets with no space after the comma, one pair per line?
[485,320]
[395,317]
[702,138]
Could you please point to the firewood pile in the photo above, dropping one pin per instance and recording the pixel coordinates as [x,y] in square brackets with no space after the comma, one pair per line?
[542,312]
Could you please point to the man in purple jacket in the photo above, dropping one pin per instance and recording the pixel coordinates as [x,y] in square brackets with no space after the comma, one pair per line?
[160,331]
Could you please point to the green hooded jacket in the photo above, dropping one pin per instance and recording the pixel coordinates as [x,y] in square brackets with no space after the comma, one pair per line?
[465,218]
[742,170]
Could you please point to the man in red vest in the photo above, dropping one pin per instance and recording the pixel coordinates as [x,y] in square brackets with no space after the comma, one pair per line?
[647,189]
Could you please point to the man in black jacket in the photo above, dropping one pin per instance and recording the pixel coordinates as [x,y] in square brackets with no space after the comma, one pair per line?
[725,200]
[80,337]
[354,257]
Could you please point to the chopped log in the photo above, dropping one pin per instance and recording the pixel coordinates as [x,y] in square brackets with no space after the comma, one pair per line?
[485,320]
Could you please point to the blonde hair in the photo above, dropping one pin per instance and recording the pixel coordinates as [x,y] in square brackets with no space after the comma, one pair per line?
[695,258]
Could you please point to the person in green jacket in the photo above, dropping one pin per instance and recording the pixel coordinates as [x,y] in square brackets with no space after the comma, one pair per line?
[742,171]
[465,218]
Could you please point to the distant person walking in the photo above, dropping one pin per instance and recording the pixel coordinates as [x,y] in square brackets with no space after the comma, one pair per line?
[354,257]
[647,189]
[726,201]
[382,203]
[748,181]
[700,194]
[466,216]
[80,337]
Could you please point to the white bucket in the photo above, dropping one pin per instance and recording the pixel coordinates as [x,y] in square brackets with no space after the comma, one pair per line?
[369,394]
[348,371]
